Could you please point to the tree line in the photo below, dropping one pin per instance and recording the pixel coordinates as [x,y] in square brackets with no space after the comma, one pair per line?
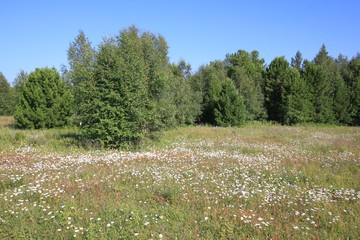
[126,89]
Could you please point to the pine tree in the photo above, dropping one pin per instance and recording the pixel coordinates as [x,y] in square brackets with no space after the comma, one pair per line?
[45,101]
[322,57]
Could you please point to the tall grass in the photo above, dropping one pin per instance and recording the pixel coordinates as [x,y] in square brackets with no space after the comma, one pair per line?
[260,181]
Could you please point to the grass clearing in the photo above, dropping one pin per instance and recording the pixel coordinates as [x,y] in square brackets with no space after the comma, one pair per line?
[260,181]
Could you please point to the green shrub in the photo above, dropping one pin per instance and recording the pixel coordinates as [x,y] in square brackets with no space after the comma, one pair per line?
[45,101]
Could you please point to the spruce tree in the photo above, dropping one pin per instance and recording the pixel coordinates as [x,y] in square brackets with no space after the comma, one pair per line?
[298,107]
[276,76]
[341,100]
[45,101]
[320,93]
[288,100]
[229,109]
[338,91]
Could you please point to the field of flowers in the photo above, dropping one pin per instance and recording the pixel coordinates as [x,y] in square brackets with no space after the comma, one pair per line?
[259,181]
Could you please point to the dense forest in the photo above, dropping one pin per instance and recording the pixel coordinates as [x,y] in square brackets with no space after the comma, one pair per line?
[125,89]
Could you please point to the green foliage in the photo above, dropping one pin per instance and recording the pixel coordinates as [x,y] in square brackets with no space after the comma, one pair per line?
[222,104]
[245,70]
[297,61]
[229,108]
[81,57]
[341,105]
[7,97]
[298,108]
[116,113]
[159,79]
[351,75]
[45,101]
[320,92]
[187,102]
[276,76]
[18,86]
[135,90]
[338,92]
[208,81]
[287,98]
[20,80]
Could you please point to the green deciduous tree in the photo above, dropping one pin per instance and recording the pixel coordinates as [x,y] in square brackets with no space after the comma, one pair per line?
[187,102]
[208,81]
[136,91]
[81,57]
[117,112]
[20,80]
[18,86]
[159,80]
[45,101]
[7,97]
[245,70]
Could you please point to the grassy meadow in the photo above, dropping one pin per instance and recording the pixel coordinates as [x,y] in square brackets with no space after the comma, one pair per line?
[260,181]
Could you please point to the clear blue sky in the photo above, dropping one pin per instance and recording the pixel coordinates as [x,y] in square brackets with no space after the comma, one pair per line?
[37,33]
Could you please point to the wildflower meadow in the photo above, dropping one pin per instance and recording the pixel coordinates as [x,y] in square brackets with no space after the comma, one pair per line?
[260,181]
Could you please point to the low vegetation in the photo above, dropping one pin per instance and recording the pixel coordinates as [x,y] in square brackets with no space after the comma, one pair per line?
[259,181]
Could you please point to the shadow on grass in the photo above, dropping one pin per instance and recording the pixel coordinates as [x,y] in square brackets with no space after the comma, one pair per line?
[80,141]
